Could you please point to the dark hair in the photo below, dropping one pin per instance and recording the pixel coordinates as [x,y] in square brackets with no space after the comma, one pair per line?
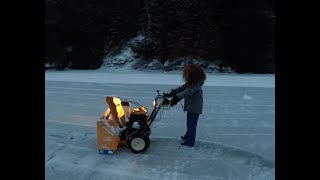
[193,73]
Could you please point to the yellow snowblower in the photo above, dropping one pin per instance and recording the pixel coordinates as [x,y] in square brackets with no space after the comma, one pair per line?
[120,125]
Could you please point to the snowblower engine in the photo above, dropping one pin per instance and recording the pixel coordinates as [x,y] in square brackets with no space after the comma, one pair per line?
[139,120]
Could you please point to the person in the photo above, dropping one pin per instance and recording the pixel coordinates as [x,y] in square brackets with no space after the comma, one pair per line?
[191,91]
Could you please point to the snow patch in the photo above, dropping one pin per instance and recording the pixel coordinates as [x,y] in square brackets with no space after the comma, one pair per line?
[246,97]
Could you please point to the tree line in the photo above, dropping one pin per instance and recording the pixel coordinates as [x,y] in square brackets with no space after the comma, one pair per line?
[237,34]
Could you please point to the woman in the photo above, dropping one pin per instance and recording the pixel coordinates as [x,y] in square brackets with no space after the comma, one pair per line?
[192,94]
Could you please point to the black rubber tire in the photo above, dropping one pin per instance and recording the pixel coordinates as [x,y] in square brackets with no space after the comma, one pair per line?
[138,142]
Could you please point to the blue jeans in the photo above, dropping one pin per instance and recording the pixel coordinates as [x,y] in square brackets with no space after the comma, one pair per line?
[192,120]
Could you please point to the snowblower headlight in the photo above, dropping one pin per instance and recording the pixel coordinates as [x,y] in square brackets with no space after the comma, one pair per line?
[155,103]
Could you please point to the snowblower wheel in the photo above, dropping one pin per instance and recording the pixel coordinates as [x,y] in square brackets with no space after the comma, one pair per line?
[138,141]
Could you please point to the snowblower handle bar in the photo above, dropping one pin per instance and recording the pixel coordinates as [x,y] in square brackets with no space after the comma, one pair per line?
[165,95]
[165,102]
